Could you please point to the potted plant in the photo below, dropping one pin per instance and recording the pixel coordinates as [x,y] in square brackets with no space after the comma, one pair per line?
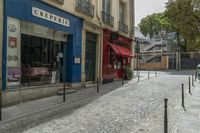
[128,72]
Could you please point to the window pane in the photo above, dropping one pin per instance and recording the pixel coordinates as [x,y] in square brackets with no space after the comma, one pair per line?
[106,6]
[121,12]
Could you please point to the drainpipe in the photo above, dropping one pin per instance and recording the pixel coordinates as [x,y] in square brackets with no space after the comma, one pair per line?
[97,12]
[4,52]
[132,25]
[100,41]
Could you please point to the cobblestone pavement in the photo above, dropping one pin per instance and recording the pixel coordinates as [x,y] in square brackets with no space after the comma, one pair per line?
[190,119]
[133,108]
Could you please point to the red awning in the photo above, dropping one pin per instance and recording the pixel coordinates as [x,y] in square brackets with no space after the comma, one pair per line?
[115,49]
[119,50]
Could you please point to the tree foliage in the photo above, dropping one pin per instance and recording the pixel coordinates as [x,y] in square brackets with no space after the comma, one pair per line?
[153,24]
[184,16]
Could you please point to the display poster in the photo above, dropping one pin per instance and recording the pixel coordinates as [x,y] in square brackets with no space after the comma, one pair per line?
[13,52]
[13,76]
[13,43]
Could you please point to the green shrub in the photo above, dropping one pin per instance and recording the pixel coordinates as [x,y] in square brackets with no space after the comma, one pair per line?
[128,72]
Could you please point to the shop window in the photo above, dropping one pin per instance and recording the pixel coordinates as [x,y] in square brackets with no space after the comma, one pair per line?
[41,54]
[119,65]
[110,57]
[41,60]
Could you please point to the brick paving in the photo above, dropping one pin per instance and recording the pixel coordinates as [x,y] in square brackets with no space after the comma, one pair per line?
[133,108]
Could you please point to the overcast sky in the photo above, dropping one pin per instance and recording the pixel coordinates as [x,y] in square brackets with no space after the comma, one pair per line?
[147,7]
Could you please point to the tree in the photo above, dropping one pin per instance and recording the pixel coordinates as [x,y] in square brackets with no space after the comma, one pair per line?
[153,24]
[184,16]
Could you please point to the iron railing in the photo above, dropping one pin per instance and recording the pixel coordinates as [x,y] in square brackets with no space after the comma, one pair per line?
[123,27]
[107,18]
[85,7]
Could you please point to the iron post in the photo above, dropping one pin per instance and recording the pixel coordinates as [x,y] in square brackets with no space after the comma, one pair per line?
[97,84]
[165,117]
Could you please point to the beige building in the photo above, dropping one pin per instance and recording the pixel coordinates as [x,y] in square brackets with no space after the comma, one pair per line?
[91,35]
[97,15]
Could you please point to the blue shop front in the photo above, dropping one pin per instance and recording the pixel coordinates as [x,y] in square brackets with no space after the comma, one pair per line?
[42,45]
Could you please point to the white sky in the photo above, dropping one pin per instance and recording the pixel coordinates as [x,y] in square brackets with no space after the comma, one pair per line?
[147,7]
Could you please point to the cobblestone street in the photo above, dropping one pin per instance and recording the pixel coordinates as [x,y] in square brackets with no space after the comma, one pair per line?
[133,108]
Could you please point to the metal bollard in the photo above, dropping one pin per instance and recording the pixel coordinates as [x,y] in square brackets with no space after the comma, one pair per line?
[183,102]
[148,75]
[165,117]
[193,80]
[97,85]
[138,77]
[64,92]
[195,76]
[189,85]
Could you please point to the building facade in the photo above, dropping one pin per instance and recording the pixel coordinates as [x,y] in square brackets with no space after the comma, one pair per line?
[48,42]
[151,52]
[117,18]
[41,46]
[92,35]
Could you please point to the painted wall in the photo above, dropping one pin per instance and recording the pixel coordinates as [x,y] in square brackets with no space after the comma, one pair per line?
[1,36]
[23,10]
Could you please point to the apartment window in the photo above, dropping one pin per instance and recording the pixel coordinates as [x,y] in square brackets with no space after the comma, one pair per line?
[121,12]
[122,18]
[60,1]
[106,6]
[106,13]
[85,6]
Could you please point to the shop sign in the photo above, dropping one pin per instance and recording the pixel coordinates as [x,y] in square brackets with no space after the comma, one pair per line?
[50,17]
[12,28]
[12,42]
[77,60]
[13,76]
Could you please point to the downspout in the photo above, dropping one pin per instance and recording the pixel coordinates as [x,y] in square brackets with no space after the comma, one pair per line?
[4,49]
[132,25]
[100,42]
[97,12]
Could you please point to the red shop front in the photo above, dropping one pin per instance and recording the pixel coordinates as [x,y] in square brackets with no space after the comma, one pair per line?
[116,55]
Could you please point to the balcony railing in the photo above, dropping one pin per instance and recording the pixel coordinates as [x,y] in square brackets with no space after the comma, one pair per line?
[123,27]
[85,7]
[107,18]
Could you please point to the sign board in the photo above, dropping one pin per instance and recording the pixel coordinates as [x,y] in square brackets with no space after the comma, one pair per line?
[77,60]
[50,17]
[13,76]
[13,43]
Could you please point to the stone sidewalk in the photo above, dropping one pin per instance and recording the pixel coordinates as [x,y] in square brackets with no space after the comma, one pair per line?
[190,120]
[32,107]
[22,110]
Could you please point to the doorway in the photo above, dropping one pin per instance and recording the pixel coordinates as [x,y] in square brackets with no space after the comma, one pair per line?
[90,53]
